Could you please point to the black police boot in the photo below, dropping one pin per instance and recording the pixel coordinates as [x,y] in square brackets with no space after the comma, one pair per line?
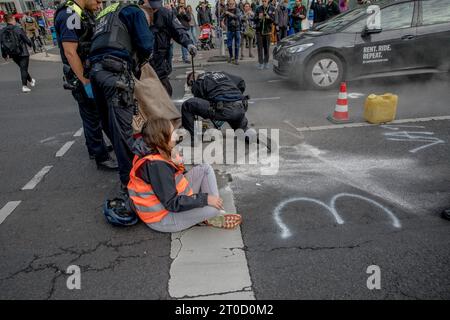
[108,165]
[446,214]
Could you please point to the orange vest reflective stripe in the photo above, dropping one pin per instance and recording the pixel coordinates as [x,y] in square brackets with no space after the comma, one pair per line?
[147,205]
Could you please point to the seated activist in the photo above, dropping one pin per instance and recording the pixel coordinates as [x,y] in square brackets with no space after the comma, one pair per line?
[163,195]
[218,96]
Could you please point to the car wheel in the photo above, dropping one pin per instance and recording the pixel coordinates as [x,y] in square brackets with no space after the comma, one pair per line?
[324,71]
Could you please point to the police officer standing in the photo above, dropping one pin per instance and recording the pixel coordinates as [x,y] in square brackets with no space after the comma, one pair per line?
[74,24]
[165,27]
[122,42]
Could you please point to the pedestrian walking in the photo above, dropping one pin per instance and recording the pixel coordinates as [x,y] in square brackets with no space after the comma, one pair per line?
[14,42]
[192,24]
[282,19]
[31,27]
[264,18]
[248,30]
[204,15]
[298,15]
[343,5]
[332,9]
[74,41]
[320,11]
[166,27]
[165,197]
[185,20]
[232,19]
[122,42]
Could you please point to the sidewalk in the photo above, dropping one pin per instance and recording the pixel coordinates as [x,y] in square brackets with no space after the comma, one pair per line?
[204,57]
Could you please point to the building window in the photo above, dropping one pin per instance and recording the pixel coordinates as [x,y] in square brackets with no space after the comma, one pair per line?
[30,5]
[8,7]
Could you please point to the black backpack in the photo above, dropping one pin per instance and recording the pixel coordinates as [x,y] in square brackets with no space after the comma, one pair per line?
[10,42]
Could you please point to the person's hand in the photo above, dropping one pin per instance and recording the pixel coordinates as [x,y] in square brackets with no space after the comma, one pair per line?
[277,28]
[261,14]
[215,202]
[192,50]
[85,81]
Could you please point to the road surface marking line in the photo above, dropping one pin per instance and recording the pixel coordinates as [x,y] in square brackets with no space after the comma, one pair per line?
[64,149]
[8,209]
[78,133]
[203,253]
[365,124]
[37,178]
[268,98]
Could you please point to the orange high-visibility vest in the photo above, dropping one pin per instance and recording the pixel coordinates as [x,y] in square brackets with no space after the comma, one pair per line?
[147,205]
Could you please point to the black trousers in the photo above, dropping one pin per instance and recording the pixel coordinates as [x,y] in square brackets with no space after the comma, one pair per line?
[166,84]
[23,63]
[263,43]
[282,33]
[92,125]
[119,113]
[233,114]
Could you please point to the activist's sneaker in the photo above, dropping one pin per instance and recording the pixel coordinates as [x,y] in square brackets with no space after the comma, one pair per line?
[266,66]
[32,82]
[25,89]
[260,66]
[225,220]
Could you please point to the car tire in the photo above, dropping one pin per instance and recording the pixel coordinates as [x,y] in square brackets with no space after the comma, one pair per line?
[324,71]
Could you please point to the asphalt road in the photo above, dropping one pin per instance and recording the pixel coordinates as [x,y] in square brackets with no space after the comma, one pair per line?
[388,198]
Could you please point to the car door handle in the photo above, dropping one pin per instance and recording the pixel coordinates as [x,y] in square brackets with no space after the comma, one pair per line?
[408,37]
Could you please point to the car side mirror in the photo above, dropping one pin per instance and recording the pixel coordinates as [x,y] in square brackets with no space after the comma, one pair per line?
[366,31]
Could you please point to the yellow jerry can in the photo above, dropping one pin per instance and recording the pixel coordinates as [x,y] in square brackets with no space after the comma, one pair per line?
[380,108]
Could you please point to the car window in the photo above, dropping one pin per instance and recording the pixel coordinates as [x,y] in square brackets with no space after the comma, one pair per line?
[397,16]
[435,11]
[357,26]
[339,21]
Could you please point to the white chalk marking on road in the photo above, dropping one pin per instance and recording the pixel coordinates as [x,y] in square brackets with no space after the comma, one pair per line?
[203,253]
[64,149]
[355,95]
[414,136]
[37,178]
[8,209]
[275,80]
[79,132]
[365,124]
[286,233]
[386,126]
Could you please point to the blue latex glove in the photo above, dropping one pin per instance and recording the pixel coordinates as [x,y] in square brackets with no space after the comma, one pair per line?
[88,90]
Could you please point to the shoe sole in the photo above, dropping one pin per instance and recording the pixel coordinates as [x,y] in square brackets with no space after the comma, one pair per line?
[225,221]
[103,168]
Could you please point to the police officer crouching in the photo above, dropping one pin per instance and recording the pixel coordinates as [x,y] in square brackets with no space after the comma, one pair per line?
[122,42]
[74,24]
[218,96]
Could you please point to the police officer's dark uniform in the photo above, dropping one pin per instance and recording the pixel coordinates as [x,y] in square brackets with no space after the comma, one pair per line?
[73,24]
[165,27]
[122,42]
[217,96]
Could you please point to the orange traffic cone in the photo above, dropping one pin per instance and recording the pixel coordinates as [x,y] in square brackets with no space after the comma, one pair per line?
[340,114]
